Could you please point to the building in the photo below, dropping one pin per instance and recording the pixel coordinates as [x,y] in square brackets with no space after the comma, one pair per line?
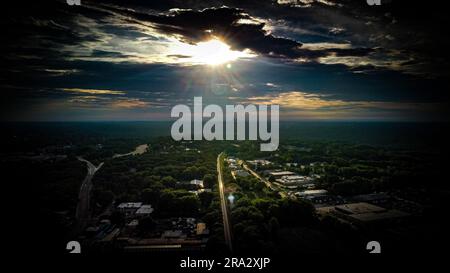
[197,192]
[201,229]
[144,211]
[297,180]
[319,197]
[362,213]
[359,208]
[232,163]
[129,208]
[133,223]
[231,160]
[171,234]
[259,162]
[197,182]
[312,193]
[373,198]
[279,174]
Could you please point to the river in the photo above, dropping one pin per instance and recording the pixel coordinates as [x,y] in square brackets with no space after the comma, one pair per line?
[138,151]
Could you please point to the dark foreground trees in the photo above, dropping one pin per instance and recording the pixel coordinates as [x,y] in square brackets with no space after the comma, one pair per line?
[257,222]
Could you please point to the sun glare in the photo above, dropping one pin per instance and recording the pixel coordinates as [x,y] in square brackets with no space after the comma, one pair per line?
[212,52]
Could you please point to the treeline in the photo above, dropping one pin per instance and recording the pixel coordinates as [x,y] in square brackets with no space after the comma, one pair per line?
[257,222]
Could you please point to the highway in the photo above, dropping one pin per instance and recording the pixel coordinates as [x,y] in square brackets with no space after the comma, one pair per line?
[83,207]
[223,203]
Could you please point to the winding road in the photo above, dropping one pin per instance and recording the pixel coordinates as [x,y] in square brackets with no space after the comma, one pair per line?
[83,206]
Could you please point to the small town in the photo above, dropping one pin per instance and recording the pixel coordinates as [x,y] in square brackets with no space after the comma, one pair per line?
[203,212]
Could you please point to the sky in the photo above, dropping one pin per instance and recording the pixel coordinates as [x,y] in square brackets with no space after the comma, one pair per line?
[135,60]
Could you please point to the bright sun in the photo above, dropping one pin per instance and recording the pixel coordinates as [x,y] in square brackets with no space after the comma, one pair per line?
[212,52]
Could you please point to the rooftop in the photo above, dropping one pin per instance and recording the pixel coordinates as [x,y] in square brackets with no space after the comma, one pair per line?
[145,209]
[294,177]
[130,205]
[197,182]
[362,212]
[371,216]
[282,173]
[358,208]
[313,192]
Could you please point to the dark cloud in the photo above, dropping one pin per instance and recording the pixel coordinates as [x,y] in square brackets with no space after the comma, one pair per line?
[226,23]
[395,54]
[110,54]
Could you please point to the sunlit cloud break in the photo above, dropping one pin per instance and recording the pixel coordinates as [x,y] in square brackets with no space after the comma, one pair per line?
[304,105]
[212,52]
[93,91]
